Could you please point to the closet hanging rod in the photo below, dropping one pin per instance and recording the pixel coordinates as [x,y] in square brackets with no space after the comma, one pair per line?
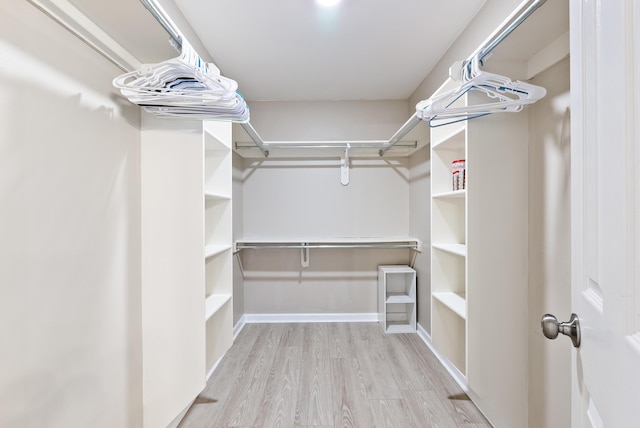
[166,23]
[400,133]
[374,144]
[164,20]
[507,28]
[257,140]
[302,245]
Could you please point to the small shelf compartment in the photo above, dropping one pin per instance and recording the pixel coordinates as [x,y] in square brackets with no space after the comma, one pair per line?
[397,298]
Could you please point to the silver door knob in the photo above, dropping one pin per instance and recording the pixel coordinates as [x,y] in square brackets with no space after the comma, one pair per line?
[551,328]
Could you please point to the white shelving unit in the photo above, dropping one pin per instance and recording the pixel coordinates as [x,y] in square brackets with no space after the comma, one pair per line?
[397,298]
[479,256]
[218,243]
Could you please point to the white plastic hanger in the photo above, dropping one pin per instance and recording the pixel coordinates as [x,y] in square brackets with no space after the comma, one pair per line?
[502,95]
[185,86]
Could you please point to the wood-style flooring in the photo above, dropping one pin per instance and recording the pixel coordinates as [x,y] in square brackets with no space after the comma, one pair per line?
[330,375]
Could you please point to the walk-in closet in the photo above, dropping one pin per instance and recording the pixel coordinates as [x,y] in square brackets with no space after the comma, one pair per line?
[295,214]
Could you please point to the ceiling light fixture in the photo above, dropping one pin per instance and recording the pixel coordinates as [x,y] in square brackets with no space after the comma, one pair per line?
[327,3]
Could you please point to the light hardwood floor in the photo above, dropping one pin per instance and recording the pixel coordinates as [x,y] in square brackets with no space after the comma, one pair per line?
[330,375]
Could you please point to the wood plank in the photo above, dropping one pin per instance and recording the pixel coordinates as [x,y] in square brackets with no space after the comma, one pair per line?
[208,405]
[377,377]
[314,404]
[278,408]
[243,402]
[284,375]
[350,403]
[428,410]
[407,374]
[391,414]
[341,341]
[293,334]
[439,379]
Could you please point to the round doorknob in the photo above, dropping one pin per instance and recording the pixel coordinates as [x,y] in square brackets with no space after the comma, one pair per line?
[551,328]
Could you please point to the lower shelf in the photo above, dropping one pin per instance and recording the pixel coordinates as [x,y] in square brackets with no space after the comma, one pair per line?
[454,301]
[400,298]
[399,328]
[214,303]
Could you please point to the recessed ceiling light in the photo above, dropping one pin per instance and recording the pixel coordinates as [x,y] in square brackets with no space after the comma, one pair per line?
[327,3]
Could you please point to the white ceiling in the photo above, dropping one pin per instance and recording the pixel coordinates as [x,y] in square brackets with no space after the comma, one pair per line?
[295,50]
[358,50]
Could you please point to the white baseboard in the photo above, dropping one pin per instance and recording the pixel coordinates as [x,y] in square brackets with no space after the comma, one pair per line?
[214,367]
[453,370]
[239,326]
[178,419]
[304,318]
[456,375]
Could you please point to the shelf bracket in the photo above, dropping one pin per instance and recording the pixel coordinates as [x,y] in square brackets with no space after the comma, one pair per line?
[304,256]
[344,167]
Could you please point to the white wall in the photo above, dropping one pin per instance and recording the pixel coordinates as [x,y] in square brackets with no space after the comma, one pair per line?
[70,271]
[549,248]
[304,197]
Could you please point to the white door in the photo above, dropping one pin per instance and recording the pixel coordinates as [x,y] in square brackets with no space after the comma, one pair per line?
[605,162]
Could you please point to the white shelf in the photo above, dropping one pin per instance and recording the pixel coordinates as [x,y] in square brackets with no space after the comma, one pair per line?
[216,196]
[454,301]
[400,298]
[400,328]
[457,249]
[298,242]
[214,303]
[455,140]
[214,250]
[327,239]
[456,194]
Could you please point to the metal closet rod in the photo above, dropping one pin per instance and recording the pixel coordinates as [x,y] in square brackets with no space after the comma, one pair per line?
[163,20]
[298,246]
[383,145]
[374,144]
[507,28]
[482,52]
[173,31]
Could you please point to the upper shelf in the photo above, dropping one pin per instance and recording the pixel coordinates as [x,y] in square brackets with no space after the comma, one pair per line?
[302,242]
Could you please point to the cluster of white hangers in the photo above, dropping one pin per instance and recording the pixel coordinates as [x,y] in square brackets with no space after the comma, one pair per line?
[184,87]
[502,95]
